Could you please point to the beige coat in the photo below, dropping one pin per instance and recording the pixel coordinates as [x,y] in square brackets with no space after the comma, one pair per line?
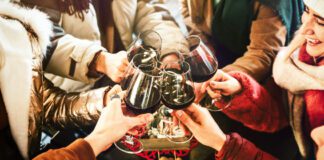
[130,17]
[30,99]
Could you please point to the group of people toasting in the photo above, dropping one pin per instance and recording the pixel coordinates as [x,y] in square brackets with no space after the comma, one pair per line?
[247,83]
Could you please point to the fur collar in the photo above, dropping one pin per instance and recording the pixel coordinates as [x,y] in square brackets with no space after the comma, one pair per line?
[16,66]
[36,19]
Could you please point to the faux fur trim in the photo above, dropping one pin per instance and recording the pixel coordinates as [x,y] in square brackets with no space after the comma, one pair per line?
[38,21]
[16,66]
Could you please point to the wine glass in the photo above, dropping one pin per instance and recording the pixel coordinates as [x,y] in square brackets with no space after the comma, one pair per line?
[177,93]
[147,43]
[142,96]
[138,59]
[203,65]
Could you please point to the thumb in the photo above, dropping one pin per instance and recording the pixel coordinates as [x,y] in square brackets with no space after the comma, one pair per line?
[204,87]
[185,119]
[214,85]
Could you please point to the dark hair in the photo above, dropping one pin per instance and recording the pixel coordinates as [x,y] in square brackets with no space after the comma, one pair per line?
[74,7]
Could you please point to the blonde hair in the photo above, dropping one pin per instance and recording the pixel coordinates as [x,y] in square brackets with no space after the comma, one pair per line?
[74,7]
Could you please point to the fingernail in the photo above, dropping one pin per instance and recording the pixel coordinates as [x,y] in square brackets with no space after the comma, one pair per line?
[114,96]
[179,113]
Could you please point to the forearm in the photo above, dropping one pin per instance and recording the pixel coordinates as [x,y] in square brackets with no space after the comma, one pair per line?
[78,150]
[268,35]
[159,19]
[236,147]
[71,58]
[71,110]
[253,104]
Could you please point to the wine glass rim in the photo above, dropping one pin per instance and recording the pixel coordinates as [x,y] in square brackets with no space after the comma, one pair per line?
[179,61]
[150,74]
[195,36]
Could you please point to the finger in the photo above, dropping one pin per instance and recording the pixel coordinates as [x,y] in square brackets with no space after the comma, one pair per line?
[316,135]
[114,90]
[204,86]
[193,108]
[117,79]
[219,85]
[122,94]
[213,94]
[125,61]
[218,76]
[115,105]
[185,119]
[139,120]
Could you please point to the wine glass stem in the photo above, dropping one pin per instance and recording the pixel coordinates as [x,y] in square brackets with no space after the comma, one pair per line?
[129,139]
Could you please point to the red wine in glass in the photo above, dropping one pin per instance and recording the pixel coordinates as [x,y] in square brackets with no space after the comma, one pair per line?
[142,102]
[177,93]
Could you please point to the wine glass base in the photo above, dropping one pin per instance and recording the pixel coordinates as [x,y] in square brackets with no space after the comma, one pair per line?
[129,144]
[216,105]
[181,139]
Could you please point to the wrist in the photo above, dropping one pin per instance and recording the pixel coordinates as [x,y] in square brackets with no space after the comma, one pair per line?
[219,142]
[96,147]
[101,62]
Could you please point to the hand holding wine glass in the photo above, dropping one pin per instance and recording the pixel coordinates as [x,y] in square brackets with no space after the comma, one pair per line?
[112,125]
[143,95]
[177,93]
[204,65]
[202,125]
[113,65]
[221,84]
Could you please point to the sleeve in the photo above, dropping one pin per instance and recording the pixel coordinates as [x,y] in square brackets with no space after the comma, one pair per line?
[198,17]
[78,150]
[268,34]
[71,58]
[71,110]
[236,147]
[253,104]
[156,17]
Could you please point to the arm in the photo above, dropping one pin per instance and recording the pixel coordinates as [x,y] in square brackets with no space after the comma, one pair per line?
[268,34]
[157,18]
[82,60]
[198,16]
[253,104]
[73,110]
[102,136]
[207,132]
[70,57]
[78,150]
[236,147]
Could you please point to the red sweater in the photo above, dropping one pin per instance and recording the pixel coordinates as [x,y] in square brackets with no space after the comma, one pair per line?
[252,107]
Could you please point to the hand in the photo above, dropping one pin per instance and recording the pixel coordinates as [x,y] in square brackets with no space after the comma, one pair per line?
[172,57]
[317,136]
[221,84]
[116,89]
[113,65]
[202,125]
[112,125]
